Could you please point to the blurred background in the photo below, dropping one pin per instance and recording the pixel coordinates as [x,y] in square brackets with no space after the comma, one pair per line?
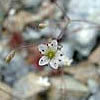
[24,24]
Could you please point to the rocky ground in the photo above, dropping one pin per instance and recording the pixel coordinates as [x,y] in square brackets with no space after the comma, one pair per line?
[26,23]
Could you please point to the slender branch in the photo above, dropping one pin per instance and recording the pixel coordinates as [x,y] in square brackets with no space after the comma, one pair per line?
[62,33]
[85,21]
[62,9]
[24,46]
[75,20]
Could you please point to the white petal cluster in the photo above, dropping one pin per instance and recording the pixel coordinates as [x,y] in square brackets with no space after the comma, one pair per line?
[52,55]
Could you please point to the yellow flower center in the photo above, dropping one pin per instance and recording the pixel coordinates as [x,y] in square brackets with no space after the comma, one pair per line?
[50,54]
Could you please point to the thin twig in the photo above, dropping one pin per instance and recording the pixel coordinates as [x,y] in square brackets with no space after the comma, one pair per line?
[62,33]
[63,11]
[85,21]
[68,21]
[24,46]
[71,20]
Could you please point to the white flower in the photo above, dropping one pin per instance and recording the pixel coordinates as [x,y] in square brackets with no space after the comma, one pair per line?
[52,55]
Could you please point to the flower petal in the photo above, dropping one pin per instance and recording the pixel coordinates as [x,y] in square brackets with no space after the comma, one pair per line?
[54,64]
[53,44]
[59,55]
[42,48]
[60,58]
[43,61]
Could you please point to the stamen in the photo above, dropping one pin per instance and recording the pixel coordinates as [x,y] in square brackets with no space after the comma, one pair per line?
[50,54]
